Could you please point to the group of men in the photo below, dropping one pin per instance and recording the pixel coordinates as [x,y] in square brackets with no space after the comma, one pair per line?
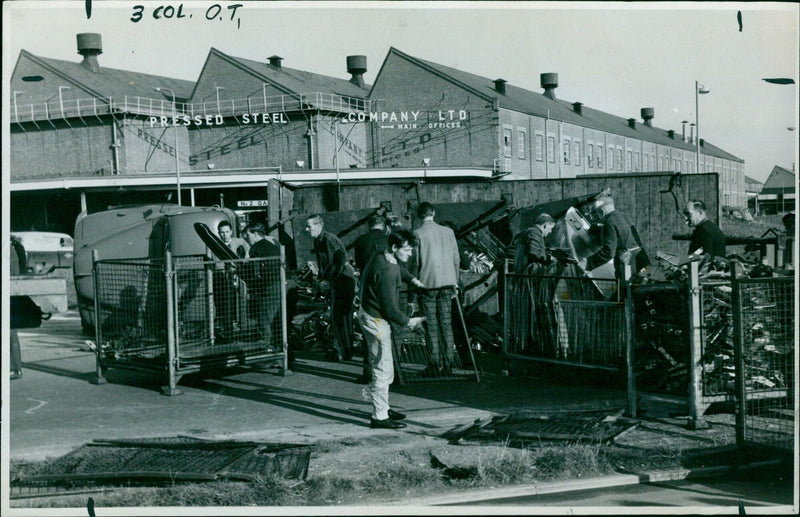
[382,256]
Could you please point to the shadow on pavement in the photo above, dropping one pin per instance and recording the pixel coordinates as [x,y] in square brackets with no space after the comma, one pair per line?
[278,397]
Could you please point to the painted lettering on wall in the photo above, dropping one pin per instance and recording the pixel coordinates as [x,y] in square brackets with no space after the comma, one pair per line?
[442,119]
[155,142]
[222,150]
[218,120]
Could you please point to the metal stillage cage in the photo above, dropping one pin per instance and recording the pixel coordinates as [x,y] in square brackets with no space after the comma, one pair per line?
[189,314]
[441,350]
[765,369]
[560,317]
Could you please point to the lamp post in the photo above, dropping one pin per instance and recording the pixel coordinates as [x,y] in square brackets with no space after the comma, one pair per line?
[16,117]
[698,89]
[61,98]
[175,129]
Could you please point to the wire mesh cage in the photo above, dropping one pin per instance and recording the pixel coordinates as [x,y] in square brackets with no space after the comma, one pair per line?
[190,313]
[764,332]
[441,349]
[556,315]
[131,313]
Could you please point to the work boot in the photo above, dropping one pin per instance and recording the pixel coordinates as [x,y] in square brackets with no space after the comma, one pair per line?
[396,415]
[386,423]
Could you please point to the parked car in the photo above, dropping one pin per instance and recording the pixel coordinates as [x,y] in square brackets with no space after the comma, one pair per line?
[46,251]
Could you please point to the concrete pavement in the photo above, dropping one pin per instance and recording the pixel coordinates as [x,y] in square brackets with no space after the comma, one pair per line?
[54,407]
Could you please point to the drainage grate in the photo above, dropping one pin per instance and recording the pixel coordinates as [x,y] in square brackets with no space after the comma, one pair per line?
[526,428]
[155,460]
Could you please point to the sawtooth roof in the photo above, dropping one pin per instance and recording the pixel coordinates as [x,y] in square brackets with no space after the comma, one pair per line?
[537,104]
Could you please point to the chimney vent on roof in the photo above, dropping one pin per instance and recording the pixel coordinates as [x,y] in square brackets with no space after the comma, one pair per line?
[275,61]
[549,82]
[577,107]
[357,67]
[702,142]
[500,86]
[647,116]
[90,45]
[632,123]
[671,134]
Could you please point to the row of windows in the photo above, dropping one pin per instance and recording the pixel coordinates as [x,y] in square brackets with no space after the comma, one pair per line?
[571,155]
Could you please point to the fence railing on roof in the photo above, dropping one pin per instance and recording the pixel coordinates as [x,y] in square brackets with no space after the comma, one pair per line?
[95,107]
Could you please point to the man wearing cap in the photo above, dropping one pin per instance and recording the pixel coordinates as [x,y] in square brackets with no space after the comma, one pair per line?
[616,237]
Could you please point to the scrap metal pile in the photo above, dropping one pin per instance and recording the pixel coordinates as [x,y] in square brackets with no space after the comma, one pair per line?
[661,303]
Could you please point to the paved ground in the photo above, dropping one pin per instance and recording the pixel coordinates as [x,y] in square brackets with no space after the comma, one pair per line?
[54,407]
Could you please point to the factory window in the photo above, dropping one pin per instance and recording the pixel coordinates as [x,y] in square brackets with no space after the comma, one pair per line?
[565,150]
[589,149]
[551,149]
[599,156]
[521,137]
[576,146]
[629,161]
[507,142]
[646,163]
[636,161]
[539,147]
[653,161]
[610,164]
[677,166]
[619,159]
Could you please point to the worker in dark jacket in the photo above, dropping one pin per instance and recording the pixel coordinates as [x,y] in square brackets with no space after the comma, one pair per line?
[18,266]
[706,235]
[529,245]
[335,271]
[380,305]
[616,237]
[365,247]
[263,280]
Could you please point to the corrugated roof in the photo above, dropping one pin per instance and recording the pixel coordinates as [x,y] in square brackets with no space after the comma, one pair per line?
[297,81]
[537,104]
[111,82]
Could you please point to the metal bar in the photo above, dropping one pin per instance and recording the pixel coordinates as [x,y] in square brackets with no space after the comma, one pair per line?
[169,278]
[284,323]
[695,348]
[99,378]
[210,309]
[629,359]
[740,399]
[469,345]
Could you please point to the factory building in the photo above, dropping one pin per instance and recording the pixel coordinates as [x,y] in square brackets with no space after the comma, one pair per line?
[85,136]
[454,117]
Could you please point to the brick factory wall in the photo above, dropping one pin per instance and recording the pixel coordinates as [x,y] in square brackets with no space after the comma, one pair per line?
[403,88]
[61,151]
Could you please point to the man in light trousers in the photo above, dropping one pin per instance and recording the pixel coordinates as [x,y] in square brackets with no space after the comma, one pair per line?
[380,305]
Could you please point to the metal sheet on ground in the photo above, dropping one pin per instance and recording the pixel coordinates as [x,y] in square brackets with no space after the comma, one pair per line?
[526,429]
[152,461]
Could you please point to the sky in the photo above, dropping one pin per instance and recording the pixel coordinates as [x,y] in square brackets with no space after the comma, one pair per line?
[615,57]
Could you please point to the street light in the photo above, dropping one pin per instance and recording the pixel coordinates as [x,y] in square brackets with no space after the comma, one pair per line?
[175,129]
[61,98]
[698,89]
[16,117]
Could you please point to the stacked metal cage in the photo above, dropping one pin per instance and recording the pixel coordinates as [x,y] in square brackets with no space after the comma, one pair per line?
[765,368]
[188,314]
